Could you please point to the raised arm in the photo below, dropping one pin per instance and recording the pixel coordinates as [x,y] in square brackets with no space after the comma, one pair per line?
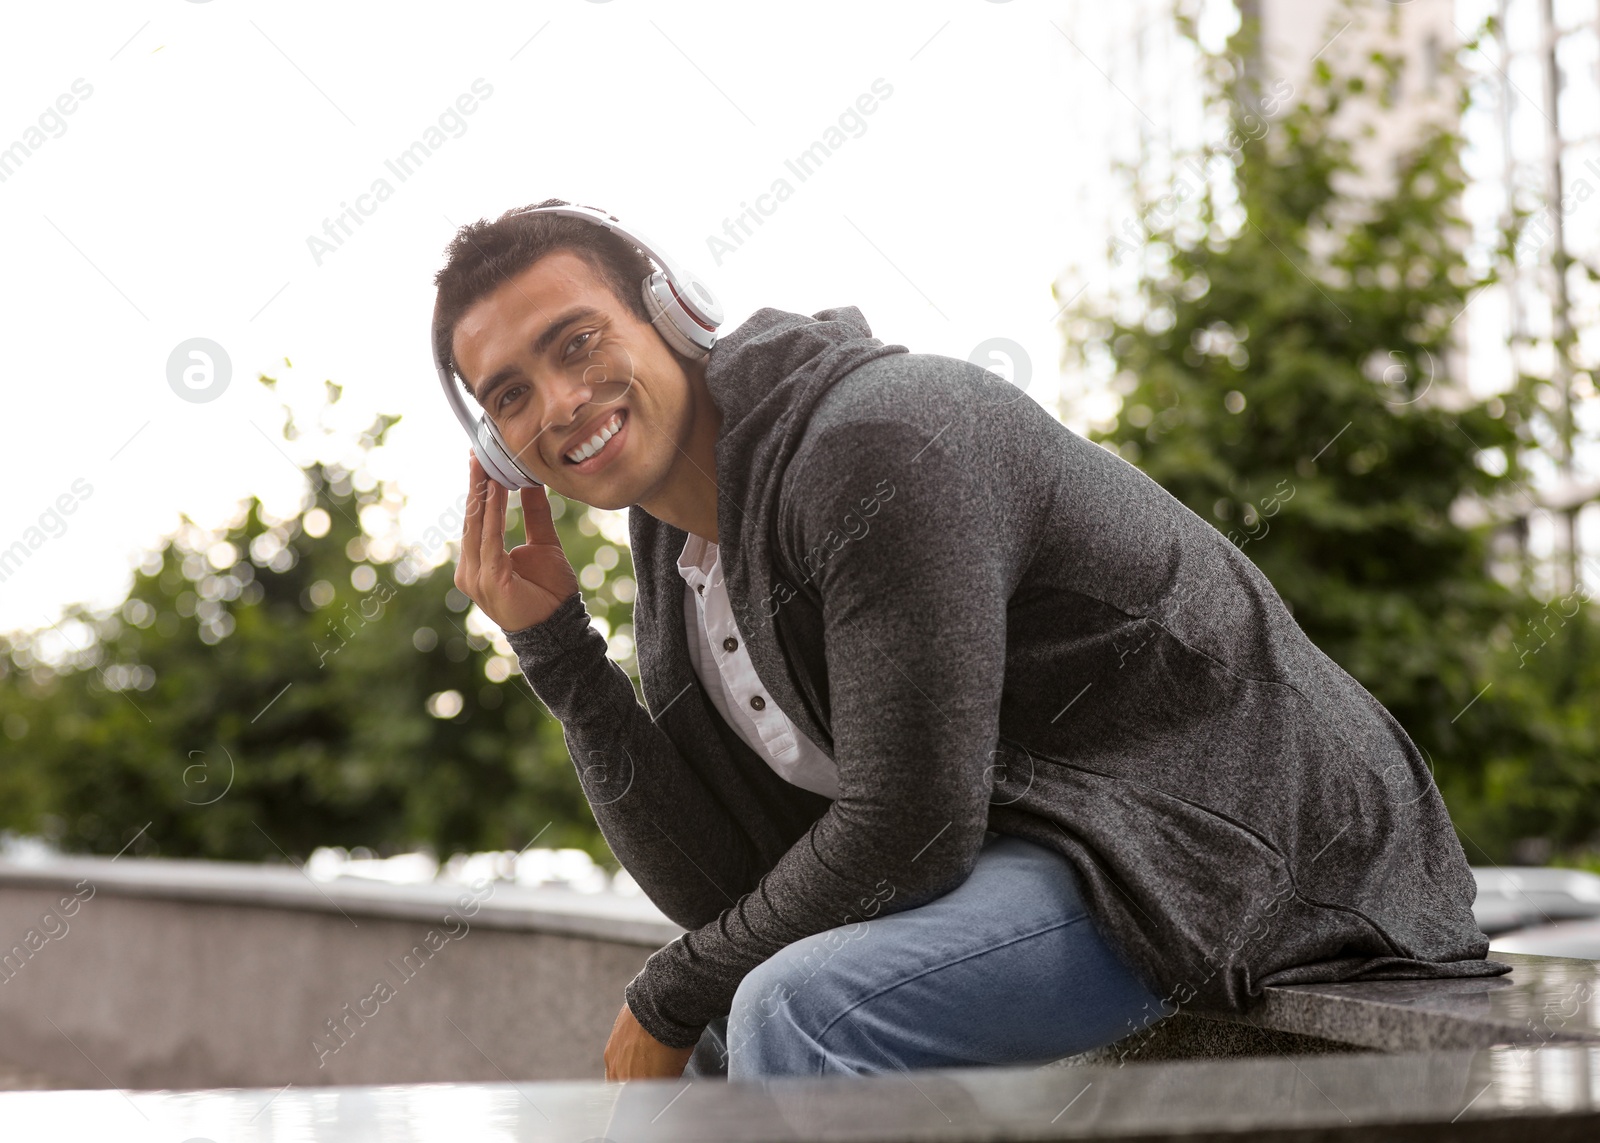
[914,609]
[638,785]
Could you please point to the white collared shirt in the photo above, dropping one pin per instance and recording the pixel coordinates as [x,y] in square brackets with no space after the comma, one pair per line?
[717,650]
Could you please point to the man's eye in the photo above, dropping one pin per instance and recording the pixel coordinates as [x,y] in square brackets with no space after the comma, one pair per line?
[575,341]
[507,395]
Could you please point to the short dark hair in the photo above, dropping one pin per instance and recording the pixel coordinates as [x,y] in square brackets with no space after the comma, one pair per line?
[484,255]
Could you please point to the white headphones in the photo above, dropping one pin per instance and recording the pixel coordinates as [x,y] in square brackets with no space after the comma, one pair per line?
[681,307]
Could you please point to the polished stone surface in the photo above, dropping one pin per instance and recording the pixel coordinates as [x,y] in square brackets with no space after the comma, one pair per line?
[1542,998]
[1550,1093]
[1187,1037]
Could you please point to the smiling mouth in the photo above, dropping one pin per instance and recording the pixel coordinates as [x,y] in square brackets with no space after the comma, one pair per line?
[600,446]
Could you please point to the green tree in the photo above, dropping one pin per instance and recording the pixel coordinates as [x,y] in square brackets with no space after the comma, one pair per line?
[1284,372]
[278,686]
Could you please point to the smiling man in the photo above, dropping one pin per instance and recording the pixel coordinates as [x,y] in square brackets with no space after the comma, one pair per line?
[963,741]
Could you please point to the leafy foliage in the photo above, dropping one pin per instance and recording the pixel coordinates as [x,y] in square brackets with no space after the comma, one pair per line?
[295,683]
[1285,372]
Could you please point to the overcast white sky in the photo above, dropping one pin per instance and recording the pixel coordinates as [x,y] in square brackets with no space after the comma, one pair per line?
[176,199]
[208,140]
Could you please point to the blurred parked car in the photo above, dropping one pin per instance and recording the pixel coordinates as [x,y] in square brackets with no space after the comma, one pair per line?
[1564,938]
[1539,910]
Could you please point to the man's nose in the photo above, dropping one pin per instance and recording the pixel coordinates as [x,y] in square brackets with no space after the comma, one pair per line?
[569,396]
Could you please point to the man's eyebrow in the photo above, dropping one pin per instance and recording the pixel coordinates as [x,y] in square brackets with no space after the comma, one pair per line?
[540,344]
[580,313]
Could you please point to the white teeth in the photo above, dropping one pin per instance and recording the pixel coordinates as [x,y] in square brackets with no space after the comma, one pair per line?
[595,443]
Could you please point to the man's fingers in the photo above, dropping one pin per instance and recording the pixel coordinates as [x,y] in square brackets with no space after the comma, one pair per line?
[538,524]
[472,526]
[492,546]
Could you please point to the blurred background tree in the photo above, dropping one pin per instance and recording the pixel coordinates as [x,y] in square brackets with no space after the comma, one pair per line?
[289,683]
[1283,368]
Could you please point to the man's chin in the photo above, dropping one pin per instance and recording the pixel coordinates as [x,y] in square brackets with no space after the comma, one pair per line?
[606,499]
[605,505]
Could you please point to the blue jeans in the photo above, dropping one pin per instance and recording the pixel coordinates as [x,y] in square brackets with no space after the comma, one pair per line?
[1007,968]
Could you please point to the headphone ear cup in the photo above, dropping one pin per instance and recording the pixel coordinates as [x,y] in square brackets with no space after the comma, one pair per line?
[497,460]
[669,318]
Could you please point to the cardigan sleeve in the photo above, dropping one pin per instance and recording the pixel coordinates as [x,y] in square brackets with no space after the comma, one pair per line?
[632,773]
[901,540]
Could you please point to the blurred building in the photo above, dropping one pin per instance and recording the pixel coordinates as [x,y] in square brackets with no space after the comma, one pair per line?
[1294,35]
[1538,130]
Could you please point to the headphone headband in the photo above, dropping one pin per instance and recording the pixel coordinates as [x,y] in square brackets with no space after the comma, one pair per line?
[683,309]
[696,298]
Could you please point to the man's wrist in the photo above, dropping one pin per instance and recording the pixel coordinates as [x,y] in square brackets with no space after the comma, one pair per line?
[553,635]
[559,655]
[660,1026]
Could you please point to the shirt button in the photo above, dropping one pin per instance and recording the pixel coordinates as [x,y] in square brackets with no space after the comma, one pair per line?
[730,644]
[700,587]
[759,703]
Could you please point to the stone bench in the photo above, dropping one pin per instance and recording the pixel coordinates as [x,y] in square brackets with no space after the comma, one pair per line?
[207,975]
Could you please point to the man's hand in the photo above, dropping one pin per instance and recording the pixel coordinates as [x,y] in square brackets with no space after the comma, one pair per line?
[524,586]
[633,1053]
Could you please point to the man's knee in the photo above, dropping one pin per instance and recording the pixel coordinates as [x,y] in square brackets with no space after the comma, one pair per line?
[766,991]
[797,987]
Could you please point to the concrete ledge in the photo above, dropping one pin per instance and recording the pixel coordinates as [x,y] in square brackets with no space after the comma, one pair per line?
[204,974]
[603,916]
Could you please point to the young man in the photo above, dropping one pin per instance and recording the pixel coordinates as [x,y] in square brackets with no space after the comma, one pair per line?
[964,741]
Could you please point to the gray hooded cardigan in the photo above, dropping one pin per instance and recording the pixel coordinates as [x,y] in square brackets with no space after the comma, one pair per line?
[989,622]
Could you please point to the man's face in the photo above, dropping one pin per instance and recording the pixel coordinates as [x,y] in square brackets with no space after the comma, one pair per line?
[556,359]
